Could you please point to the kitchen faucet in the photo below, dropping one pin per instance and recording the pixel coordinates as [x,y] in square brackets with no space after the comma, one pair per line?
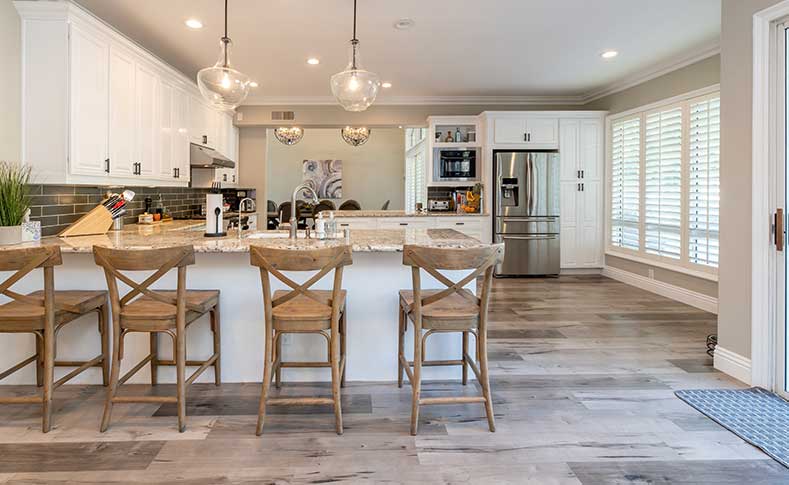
[293,221]
[240,206]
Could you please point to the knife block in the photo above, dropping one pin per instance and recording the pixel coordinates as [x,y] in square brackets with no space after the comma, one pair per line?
[97,221]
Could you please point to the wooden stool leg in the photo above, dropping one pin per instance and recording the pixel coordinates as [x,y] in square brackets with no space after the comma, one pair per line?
[217,344]
[180,370]
[49,376]
[39,360]
[400,344]
[267,363]
[342,346]
[115,372]
[482,343]
[104,331]
[335,380]
[155,358]
[417,384]
[277,355]
[463,358]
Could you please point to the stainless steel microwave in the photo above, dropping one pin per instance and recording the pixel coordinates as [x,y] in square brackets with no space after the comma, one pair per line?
[456,164]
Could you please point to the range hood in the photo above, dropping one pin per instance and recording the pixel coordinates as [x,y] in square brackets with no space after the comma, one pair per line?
[205,157]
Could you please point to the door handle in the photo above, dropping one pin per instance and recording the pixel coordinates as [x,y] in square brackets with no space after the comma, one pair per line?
[779,230]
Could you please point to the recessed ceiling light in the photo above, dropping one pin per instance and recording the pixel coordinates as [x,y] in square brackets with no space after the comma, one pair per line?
[194,24]
[386,85]
[610,54]
[253,84]
[313,61]
[404,24]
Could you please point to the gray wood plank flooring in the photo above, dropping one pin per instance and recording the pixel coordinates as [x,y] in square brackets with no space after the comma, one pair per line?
[583,371]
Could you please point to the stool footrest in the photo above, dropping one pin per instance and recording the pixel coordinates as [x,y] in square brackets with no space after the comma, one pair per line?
[432,363]
[21,400]
[144,399]
[79,370]
[299,401]
[452,400]
[304,364]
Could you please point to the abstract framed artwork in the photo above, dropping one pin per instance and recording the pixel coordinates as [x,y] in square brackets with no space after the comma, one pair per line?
[324,176]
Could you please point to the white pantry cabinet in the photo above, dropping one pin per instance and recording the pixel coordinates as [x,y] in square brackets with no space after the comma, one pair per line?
[581,192]
[97,108]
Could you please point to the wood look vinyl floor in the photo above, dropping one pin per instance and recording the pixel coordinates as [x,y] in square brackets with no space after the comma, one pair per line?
[583,374]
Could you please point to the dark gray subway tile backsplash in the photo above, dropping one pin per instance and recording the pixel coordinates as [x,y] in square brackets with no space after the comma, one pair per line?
[57,206]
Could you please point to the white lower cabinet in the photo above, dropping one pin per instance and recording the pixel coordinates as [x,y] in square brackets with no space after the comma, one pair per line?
[361,223]
[472,226]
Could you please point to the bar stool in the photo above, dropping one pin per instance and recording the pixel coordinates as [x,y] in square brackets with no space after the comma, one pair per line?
[44,314]
[154,312]
[453,309]
[302,310]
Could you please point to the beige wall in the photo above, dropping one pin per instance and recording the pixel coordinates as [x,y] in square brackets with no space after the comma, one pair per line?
[701,74]
[734,320]
[252,150]
[371,173]
[10,83]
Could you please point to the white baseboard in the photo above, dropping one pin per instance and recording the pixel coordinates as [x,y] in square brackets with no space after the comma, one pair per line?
[580,271]
[683,295]
[733,364]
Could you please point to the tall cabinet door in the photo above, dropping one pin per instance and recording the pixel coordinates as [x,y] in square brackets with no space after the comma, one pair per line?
[590,225]
[122,113]
[181,134]
[147,99]
[166,137]
[89,86]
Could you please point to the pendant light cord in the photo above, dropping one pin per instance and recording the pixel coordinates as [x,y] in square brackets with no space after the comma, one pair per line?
[354,41]
[226,39]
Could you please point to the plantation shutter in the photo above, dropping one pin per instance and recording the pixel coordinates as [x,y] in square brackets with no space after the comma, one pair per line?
[662,184]
[704,181]
[625,182]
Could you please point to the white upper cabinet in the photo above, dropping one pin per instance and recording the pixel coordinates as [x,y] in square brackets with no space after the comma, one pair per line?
[89,83]
[525,130]
[122,113]
[147,96]
[114,113]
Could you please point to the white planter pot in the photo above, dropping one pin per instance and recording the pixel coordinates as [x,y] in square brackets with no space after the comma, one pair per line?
[10,235]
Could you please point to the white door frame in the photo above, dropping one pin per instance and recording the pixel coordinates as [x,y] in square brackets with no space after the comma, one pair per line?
[765,197]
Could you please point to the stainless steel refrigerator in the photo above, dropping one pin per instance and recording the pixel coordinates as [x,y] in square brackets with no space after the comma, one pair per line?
[526,217]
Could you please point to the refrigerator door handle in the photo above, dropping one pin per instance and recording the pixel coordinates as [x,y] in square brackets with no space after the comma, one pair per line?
[531,186]
[530,238]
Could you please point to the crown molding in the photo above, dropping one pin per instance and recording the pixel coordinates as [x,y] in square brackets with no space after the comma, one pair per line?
[419,100]
[653,72]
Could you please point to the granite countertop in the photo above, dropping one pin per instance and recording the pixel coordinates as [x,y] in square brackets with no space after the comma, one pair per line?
[190,232]
[398,213]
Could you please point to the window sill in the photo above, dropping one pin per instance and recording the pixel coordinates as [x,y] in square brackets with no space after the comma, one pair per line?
[711,275]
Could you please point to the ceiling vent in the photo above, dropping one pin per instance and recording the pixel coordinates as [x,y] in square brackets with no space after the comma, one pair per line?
[283,116]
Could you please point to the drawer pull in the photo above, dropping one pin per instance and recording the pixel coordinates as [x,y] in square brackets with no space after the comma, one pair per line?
[403,223]
[460,223]
[344,224]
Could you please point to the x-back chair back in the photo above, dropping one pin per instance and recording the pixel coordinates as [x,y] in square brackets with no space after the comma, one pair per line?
[302,310]
[452,309]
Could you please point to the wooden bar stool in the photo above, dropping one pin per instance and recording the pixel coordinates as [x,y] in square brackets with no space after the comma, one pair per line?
[453,309]
[44,314]
[302,310]
[154,312]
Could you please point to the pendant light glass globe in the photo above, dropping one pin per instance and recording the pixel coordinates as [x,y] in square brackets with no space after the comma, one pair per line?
[355,88]
[221,85]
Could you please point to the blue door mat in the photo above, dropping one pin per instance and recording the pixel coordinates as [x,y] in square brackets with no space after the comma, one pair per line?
[759,417]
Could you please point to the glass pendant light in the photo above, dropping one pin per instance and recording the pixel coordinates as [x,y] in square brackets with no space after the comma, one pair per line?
[289,135]
[355,136]
[355,88]
[221,85]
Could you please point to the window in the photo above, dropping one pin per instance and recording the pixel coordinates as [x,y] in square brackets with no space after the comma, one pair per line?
[625,181]
[415,182]
[664,183]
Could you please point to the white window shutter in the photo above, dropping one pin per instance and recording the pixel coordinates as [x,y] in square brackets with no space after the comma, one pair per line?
[625,182]
[704,181]
[663,182]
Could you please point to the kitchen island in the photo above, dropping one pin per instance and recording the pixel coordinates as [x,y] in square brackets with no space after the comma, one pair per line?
[372,283]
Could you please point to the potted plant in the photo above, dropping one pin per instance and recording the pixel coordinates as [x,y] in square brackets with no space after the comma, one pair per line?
[14,201]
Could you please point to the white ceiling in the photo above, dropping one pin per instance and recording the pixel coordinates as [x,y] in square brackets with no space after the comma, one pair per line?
[469,49]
